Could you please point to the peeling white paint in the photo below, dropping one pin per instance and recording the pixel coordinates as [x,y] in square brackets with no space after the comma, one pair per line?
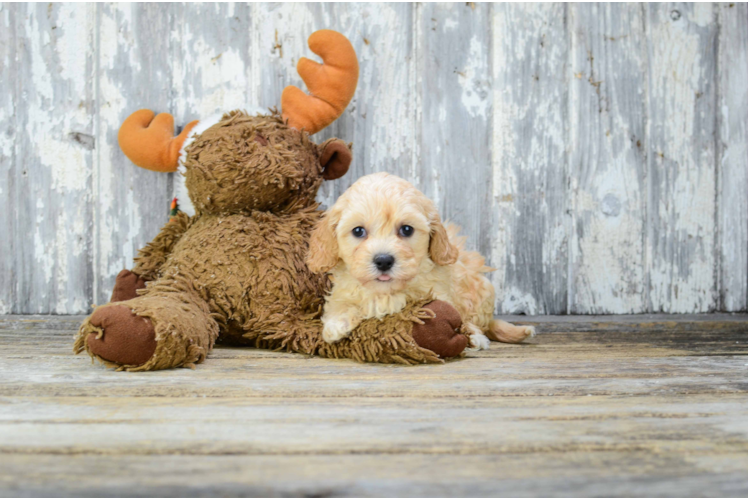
[129,244]
[8,282]
[733,155]
[41,77]
[518,302]
[388,105]
[212,78]
[61,253]
[573,228]
[71,45]
[475,92]
[282,32]
[681,253]
[52,113]
[112,100]
[703,14]
[65,161]
[44,255]
[528,149]
[606,252]
[131,203]
[505,154]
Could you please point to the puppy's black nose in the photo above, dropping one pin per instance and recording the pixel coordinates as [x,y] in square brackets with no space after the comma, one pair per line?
[384,261]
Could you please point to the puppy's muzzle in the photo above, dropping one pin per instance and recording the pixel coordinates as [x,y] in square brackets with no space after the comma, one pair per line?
[384,262]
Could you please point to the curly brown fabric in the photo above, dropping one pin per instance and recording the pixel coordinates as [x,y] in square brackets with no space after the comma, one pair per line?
[152,257]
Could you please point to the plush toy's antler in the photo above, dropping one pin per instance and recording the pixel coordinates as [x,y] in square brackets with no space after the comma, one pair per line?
[149,142]
[331,84]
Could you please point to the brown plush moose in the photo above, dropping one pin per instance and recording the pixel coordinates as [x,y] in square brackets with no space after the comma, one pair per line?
[236,271]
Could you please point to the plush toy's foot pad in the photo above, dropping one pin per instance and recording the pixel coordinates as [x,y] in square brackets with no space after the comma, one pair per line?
[126,339]
[126,286]
[441,334]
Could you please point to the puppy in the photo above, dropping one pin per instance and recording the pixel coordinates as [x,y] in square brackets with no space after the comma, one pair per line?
[384,243]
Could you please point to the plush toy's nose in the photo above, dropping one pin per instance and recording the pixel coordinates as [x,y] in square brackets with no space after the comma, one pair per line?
[384,261]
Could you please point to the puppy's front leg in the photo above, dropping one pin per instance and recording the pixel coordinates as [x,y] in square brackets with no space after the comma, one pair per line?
[339,322]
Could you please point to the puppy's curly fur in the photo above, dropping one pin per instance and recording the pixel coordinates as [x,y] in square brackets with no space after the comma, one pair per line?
[384,215]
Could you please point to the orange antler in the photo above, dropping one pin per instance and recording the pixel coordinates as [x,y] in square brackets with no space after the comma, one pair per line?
[331,84]
[149,142]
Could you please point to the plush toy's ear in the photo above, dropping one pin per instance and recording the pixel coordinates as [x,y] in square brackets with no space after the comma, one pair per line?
[335,159]
[441,251]
[149,142]
[323,247]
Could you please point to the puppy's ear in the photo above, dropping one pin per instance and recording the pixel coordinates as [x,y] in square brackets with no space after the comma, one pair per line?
[335,158]
[441,251]
[323,247]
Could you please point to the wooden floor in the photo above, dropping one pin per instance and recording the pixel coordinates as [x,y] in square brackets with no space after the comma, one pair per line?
[591,406]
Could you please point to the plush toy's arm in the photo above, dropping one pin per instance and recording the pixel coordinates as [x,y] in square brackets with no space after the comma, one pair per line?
[423,332]
[443,332]
[152,256]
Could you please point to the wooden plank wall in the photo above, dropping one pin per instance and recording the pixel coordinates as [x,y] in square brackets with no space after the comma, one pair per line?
[596,154]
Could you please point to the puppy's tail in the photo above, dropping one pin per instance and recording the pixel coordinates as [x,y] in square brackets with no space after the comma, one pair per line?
[501,331]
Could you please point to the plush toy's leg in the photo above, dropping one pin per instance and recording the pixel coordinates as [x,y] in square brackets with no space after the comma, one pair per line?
[119,336]
[165,328]
[126,286]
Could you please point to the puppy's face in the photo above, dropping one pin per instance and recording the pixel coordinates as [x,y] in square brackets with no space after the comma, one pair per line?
[382,229]
[383,236]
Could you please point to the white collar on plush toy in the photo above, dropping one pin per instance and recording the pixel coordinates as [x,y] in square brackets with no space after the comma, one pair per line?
[180,190]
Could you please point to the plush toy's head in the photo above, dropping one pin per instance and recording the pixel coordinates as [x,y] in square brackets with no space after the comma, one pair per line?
[239,162]
[258,162]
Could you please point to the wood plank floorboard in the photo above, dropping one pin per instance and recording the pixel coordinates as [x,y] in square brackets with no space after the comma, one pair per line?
[646,405]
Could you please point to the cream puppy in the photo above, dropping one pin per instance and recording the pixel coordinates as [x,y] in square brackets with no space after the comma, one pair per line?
[384,243]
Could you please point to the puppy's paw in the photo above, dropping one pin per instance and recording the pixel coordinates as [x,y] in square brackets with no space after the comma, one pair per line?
[478,341]
[529,332]
[336,329]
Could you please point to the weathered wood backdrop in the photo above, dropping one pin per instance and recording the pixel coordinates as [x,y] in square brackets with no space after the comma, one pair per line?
[596,154]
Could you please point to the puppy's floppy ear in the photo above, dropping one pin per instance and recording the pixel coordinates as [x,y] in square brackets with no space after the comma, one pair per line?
[441,251]
[323,247]
[335,158]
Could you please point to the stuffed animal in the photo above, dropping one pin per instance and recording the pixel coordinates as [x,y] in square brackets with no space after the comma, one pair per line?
[235,271]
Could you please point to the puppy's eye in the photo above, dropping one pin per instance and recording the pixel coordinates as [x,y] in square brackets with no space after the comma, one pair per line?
[359,232]
[406,231]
